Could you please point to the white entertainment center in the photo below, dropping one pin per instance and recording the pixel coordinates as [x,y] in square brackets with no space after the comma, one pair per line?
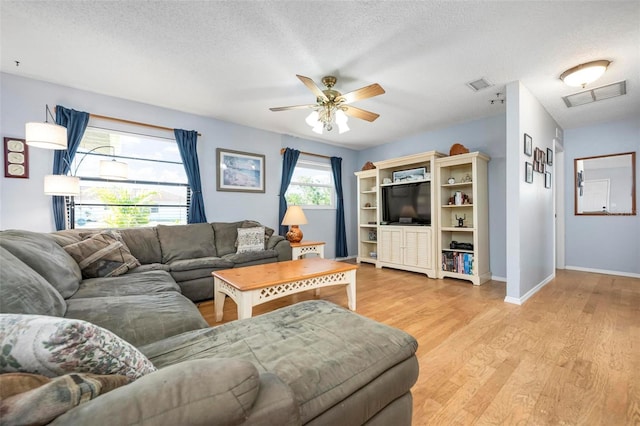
[426,213]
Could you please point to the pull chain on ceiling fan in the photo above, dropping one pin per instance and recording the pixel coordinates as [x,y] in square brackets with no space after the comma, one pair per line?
[332,107]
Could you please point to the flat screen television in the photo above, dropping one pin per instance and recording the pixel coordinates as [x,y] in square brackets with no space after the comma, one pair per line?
[407,204]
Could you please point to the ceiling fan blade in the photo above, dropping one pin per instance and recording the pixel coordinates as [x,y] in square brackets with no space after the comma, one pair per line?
[286,108]
[362,93]
[313,87]
[360,113]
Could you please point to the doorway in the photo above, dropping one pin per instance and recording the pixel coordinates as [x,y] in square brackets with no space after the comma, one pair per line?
[560,207]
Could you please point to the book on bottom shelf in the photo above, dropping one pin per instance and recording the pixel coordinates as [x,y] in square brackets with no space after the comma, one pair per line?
[461,263]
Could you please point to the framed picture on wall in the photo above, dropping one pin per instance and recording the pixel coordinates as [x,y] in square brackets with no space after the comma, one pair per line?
[547,180]
[528,145]
[528,172]
[549,157]
[239,171]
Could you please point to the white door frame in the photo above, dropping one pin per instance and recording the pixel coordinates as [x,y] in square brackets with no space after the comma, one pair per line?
[560,208]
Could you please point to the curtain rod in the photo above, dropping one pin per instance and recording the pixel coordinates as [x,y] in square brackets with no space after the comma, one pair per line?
[307,153]
[137,123]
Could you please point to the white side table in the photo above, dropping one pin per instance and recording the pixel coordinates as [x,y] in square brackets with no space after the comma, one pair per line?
[298,250]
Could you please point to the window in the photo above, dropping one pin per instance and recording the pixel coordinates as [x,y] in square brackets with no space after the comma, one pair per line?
[311,186]
[156,190]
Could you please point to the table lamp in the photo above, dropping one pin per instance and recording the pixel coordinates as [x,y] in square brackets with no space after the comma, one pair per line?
[292,218]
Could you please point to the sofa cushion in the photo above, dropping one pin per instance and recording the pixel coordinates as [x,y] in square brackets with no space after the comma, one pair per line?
[226,236]
[54,346]
[250,239]
[199,392]
[199,263]
[102,255]
[322,351]
[194,274]
[67,236]
[251,256]
[24,291]
[43,403]
[143,243]
[127,285]
[198,289]
[42,253]
[150,267]
[139,319]
[186,241]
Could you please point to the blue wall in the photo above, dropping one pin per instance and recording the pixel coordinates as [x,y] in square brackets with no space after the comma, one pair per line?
[602,243]
[23,204]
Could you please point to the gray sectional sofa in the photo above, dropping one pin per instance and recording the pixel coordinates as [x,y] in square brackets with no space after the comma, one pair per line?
[310,363]
[191,252]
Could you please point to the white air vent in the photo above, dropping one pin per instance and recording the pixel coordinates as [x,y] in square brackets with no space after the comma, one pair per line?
[479,84]
[597,94]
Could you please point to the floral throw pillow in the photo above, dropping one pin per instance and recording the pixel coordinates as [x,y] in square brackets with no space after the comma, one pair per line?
[53,346]
[250,239]
[102,255]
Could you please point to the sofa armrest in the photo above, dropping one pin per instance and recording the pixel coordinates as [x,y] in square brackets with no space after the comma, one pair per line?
[281,245]
[202,391]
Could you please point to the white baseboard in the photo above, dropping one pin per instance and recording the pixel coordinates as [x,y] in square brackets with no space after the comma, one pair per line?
[521,300]
[603,271]
[496,278]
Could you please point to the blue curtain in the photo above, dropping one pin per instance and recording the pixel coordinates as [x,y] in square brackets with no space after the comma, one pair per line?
[76,123]
[187,143]
[289,160]
[341,232]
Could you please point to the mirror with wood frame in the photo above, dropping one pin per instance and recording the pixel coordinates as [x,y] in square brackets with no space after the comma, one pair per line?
[605,185]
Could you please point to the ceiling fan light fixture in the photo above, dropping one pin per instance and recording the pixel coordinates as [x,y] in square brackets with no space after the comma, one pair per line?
[317,128]
[330,108]
[341,121]
[312,118]
[583,74]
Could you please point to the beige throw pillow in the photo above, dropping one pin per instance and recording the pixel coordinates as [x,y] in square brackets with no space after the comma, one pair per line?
[250,239]
[102,255]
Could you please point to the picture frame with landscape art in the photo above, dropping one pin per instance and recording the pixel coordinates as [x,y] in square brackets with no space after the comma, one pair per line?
[239,171]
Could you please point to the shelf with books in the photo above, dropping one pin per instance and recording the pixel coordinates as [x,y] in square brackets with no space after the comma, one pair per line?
[463,225]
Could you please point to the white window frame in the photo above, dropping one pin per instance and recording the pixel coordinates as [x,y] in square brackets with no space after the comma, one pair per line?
[308,164]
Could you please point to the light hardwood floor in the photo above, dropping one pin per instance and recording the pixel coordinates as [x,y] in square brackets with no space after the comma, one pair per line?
[569,356]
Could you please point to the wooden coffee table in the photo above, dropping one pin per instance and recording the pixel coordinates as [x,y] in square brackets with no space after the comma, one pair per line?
[253,285]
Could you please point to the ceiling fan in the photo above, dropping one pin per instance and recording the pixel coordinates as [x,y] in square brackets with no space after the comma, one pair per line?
[332,106]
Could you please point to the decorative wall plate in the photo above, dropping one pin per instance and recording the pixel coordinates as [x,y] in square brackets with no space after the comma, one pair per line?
[16,158]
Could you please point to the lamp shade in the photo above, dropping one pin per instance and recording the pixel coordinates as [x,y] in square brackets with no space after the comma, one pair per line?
[46,135]
[312,119]
[61,185]
[583,74]
[113,169]
[294,216]
[341,121]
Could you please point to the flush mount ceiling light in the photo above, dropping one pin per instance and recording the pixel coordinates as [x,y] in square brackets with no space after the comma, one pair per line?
[583,74]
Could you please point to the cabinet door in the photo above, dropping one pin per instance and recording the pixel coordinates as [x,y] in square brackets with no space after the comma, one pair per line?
[389,243]
[417,244]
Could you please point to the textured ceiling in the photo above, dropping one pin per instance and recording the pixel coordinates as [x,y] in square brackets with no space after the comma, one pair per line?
[232,60]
